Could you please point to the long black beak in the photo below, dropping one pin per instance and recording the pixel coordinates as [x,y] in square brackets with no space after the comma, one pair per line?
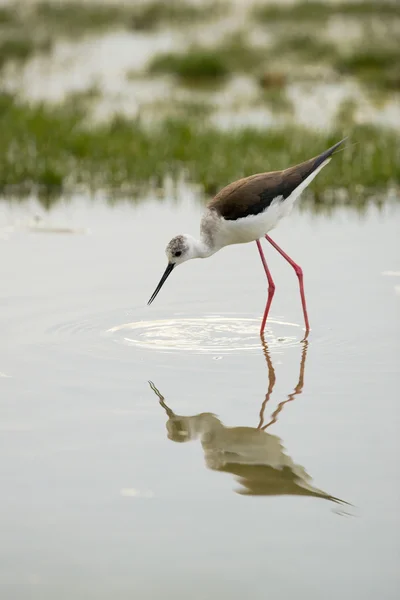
[163,279]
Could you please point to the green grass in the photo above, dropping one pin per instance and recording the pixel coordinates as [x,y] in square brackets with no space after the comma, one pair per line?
[375,61]
[21,48]
[26,30]
[346,113]
[317,11]
[240,55]
[179,109]
[55,148]
[195,64]
[304,47]
[201,64]
[7,16]
[15,49]
[376,66]
[74,17]
[277,100]
[79,17]
[172,13]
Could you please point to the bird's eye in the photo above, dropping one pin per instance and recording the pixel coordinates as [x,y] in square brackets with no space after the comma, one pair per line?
[178,253]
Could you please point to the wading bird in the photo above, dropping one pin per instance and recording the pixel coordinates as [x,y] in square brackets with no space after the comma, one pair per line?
[245,211]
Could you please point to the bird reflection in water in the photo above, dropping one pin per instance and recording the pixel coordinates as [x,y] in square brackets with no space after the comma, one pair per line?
[256,458]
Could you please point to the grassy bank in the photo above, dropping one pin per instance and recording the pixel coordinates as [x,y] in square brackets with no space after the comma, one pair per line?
[230,55]
[77,17]
[53,148]
[291,42]
[311,10]
[27,29]
[373,60]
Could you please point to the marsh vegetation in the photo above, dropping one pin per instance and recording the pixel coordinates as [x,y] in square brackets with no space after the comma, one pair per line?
[57,146]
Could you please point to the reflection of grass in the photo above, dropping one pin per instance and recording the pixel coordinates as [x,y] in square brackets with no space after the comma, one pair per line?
[198,63]
[376,66]
[315,11]
[54,146]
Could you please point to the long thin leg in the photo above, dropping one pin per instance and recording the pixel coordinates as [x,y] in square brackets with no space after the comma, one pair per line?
[271,286]
[161,400]
[297,390]
[299,272]
[271,381]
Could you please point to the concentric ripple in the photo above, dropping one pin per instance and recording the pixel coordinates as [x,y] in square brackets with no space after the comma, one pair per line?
[205,335]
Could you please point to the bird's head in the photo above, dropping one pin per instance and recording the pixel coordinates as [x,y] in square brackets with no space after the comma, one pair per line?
[177,430]
[180,249]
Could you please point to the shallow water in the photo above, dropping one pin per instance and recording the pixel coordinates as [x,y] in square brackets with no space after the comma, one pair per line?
[98,501]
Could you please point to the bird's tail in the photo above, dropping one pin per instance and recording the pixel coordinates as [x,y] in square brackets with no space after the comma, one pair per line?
[310,168]
[321,158]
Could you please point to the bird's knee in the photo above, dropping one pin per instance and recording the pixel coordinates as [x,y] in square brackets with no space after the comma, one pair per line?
[299,271]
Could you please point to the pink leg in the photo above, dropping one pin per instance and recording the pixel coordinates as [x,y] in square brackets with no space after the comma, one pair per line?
[299,273]
[271,286]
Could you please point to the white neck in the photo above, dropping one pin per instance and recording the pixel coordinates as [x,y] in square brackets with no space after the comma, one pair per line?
[204,423]
[201,248]
[204,250]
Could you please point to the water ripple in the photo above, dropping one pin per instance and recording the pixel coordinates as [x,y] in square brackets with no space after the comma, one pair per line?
[206,335]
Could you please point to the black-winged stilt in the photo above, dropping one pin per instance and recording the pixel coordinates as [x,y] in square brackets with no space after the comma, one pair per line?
[245,211]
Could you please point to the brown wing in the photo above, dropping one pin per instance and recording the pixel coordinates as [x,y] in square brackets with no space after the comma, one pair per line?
[252,195]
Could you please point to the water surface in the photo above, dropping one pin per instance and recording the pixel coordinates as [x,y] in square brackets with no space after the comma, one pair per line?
[100,501]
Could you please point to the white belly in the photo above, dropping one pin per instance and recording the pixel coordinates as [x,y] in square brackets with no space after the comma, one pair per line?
[254,227]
